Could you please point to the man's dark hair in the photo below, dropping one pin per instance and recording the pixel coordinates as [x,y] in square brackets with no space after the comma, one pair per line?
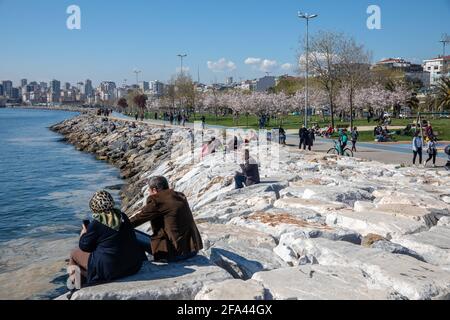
[158,183]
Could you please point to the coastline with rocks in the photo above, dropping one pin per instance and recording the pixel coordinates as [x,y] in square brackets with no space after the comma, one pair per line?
[317,227]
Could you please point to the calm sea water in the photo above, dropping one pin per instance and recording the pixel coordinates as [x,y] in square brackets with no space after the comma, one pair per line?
[45,186]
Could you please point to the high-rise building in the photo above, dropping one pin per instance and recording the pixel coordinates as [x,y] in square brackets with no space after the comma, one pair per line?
[88,89]
[15,94]
[55,90]
[7,88]
[107,90]
[67,86]
[1,90]
[229,81]
[144,86]
[157,87]
[23,82]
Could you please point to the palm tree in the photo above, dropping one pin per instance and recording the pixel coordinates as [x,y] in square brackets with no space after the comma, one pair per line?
[443,94]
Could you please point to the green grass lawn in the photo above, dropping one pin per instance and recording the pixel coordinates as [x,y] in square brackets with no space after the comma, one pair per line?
[442,126]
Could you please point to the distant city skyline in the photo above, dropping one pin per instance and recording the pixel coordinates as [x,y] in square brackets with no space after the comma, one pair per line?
[243,40]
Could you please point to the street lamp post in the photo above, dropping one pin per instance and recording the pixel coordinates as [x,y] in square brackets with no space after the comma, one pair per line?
[137,76]
[307,17]
[182,56]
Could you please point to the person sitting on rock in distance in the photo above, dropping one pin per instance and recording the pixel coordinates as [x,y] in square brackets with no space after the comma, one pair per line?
[209,147]
[250,173]
[175,234]
[108,249]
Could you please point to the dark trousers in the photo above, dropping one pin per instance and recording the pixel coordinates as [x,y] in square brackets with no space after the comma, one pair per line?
[420,153]
[81,259]
[432,156]
[239,181]
[353,146]
[303,143]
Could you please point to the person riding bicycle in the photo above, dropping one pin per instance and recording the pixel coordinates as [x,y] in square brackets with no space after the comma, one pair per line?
[343,140]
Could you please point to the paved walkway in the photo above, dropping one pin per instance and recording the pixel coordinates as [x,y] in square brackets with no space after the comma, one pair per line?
[385,153]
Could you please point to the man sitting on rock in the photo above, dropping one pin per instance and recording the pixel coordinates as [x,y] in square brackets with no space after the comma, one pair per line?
[250,173]
[175,234]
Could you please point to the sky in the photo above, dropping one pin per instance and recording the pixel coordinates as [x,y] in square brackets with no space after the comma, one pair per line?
[238,38]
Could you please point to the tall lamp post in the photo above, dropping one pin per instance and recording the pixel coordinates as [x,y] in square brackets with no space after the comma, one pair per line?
[307,17]
[182,56]
[137,76]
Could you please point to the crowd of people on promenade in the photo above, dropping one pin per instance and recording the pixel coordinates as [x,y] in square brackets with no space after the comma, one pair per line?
[106,112]
[177,118]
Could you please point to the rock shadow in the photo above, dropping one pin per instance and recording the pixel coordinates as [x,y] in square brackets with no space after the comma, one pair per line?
[236,265]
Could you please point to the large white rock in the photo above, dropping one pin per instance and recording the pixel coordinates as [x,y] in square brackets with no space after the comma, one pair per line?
[177,281]
[279,223]
[233,290]
[432,245]
[347,195]
[405,275]
[240,251]
[384,224]
[321,283]
[320,206]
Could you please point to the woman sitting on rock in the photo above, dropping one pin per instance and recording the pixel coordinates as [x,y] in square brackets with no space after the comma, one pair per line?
[108,249]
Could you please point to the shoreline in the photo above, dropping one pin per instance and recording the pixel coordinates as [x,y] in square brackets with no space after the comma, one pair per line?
[54,108]
[338,218]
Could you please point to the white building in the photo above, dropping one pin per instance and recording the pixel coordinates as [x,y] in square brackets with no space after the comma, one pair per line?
[437,68]
[107,91]
[157,87]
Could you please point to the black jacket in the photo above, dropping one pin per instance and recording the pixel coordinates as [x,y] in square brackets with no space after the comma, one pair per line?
[251,172]
[303,133]
[114,254]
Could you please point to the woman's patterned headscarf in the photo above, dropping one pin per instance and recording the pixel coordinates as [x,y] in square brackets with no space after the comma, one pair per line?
[102,206]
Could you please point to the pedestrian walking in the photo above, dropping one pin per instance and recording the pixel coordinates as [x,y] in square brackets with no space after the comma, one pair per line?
[417,147]
[303,135]
[432,151]
[311,138]
[355,136]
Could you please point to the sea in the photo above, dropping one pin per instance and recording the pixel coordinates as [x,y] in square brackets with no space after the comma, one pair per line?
[45,187]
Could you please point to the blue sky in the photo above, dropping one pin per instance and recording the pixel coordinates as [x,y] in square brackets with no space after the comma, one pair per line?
[118,36]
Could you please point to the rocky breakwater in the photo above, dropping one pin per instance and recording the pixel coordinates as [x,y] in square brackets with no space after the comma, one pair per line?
[317,227]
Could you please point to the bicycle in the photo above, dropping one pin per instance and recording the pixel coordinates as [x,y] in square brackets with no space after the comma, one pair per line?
[347,152]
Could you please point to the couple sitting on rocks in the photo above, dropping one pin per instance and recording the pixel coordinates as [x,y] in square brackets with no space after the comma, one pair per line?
[108,248]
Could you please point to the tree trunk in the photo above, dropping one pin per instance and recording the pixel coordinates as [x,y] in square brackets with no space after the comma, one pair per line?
[351,108]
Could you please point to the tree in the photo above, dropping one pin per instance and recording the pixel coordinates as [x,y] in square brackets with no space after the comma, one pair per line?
[132,94]
[141,102]
[122,103]
[353,70]
[323,57]
[443,94]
